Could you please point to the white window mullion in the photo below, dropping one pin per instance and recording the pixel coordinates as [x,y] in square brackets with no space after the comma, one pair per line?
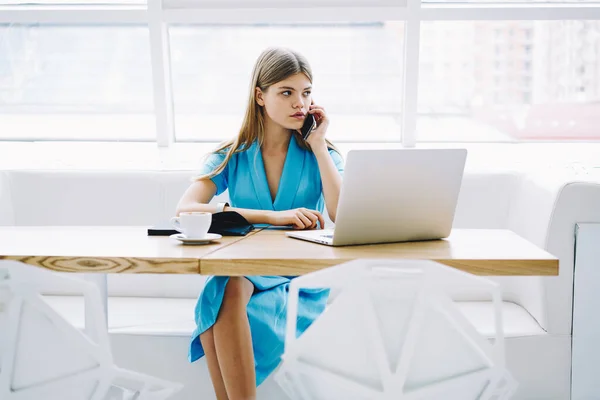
[72,14]
[282,15]
[513,12]
[160,56]
[410,82]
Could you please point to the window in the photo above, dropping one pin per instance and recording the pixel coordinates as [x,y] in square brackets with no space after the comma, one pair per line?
[150,70]
[539,101]
[75,83]
[357,70]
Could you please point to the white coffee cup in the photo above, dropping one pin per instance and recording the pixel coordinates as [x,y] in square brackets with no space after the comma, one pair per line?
[193,224]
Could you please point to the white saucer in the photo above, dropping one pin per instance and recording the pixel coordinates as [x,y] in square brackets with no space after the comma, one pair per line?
[206,239]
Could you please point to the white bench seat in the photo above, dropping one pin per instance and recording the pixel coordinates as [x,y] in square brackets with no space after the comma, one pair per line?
[175,317]
[151,316]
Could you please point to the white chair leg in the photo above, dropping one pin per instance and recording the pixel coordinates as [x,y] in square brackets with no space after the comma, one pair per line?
[100,280]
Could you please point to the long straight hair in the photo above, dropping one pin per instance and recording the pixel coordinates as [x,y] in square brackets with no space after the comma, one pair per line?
[272,66]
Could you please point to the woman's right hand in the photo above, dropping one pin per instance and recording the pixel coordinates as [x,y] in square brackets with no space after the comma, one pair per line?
[299,218]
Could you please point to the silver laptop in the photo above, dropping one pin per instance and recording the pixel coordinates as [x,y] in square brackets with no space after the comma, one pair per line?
[394,196]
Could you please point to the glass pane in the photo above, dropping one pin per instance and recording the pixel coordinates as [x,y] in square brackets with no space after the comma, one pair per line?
[509,80]
[357,72]
[75,83]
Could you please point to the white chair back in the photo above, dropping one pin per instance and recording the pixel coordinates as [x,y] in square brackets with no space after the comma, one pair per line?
[42,356]
[391,331]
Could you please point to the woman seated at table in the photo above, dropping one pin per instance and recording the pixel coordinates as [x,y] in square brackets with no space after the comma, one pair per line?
[274,177]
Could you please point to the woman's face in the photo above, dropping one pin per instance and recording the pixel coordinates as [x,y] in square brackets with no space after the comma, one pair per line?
[287,102]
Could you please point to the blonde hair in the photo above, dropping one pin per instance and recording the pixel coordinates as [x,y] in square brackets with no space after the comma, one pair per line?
[272,66]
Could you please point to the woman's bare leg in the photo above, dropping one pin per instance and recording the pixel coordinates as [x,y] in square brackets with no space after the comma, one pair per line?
[233,343]
[208,344]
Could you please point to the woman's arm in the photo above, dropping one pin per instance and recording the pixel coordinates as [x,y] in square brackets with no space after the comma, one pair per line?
[331,178]
[200,193]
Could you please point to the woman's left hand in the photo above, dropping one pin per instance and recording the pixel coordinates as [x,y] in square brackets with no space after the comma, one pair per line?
[317,136]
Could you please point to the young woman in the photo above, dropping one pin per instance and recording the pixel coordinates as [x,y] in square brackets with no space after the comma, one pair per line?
[273,177]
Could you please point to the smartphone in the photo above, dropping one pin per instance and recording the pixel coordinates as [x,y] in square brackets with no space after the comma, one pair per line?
[310,123]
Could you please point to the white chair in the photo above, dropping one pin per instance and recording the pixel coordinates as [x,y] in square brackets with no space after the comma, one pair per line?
[392,331]
[42,356]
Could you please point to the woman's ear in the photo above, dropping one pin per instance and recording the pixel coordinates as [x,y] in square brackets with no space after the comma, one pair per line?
[259,97]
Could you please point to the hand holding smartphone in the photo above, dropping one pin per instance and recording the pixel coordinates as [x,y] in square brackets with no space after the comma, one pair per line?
[310,123]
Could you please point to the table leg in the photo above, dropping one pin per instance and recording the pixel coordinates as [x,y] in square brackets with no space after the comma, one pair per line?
[100,281]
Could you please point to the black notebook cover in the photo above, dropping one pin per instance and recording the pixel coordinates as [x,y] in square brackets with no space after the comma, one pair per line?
[226,223]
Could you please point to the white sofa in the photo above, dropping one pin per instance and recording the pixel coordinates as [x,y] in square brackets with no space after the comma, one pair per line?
[151,316]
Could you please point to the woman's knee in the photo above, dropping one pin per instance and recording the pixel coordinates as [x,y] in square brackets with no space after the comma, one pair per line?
[238,291]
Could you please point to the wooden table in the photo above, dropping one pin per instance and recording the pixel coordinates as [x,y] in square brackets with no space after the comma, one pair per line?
[103,249]
[481,252]
[97,251]
[263,252]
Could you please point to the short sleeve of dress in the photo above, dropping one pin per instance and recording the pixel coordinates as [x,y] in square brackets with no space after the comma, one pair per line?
[338,160]
[211,163]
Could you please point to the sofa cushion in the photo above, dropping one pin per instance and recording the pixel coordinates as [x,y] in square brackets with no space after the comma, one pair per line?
[134,314]
[85,197]
[174,183]
[155,285]
[167,316]
[52,197]
[484,199]
[516,320]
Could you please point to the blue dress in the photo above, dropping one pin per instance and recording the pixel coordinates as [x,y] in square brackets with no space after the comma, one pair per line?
[300,186]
